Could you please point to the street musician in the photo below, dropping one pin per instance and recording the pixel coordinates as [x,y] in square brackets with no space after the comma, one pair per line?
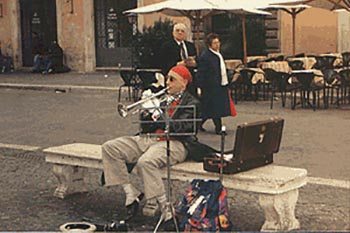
[149,152]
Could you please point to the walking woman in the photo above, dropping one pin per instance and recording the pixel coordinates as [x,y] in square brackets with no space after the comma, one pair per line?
[216,101]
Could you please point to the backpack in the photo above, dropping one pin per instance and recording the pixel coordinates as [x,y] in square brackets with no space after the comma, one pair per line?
[204,207]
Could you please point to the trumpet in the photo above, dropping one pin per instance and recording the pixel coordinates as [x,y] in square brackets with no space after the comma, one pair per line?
[123,110]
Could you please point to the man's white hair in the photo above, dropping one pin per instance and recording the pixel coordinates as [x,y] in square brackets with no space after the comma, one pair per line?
[180,26]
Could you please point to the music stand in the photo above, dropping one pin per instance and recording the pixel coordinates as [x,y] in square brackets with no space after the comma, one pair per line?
[164,113]
[222,151]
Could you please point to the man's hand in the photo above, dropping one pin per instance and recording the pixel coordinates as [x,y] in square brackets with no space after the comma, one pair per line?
[190,62]
[181,63]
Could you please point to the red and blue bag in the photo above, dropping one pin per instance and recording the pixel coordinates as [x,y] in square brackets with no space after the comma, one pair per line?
[204,207]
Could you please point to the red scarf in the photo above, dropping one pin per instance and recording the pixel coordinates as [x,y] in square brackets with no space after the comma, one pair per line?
[171,111]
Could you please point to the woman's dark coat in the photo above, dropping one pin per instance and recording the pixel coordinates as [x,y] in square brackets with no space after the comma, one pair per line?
[215,100]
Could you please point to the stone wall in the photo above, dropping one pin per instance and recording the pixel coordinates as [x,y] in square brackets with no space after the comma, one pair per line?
[316,32]
[10,31]
[75,26]
[343,32]
[5,29]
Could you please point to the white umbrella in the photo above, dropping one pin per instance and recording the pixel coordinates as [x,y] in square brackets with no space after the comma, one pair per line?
[325,4]
[197,10]
[293,10]
[148,9]
[186,8]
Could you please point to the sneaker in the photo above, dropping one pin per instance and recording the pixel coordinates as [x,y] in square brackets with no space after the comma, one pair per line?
[151,208]
[132,209]
[219,132]
[166,213]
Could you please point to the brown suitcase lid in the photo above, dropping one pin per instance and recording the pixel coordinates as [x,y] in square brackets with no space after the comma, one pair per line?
[257,139]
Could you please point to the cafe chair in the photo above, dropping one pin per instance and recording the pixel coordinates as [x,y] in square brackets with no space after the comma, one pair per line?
[296,65]
[345,85]
[250,89]
[279,58]
[320,63]
[147,78]
[346,59]
[270,59]
[324,62]
[279,84]
[254,63]
[300,55]
[131,83]
[332,84]
[236,85]
[309,86]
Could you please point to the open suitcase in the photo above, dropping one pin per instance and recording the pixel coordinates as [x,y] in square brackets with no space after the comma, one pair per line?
[254,146]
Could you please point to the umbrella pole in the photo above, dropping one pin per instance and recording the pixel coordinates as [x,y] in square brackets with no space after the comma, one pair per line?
[197,25]
[293,26]
[244,40]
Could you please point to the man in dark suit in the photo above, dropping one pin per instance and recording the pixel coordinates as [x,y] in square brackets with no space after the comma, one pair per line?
[179,52]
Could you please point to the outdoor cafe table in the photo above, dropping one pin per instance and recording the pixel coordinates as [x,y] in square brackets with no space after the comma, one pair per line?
[233,64]
[279,66]
[258,76]
[252,58]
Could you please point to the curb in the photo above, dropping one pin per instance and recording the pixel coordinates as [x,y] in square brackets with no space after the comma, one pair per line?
[58,88]
[19,147]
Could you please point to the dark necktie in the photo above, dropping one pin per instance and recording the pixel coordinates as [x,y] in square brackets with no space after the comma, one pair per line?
[182,51]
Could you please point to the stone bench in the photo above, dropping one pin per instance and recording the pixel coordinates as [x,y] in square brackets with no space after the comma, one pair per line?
[276,186]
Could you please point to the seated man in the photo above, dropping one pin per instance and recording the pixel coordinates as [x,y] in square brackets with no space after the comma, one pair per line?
[54,59]
[149,152]
[6,62]
[39,51]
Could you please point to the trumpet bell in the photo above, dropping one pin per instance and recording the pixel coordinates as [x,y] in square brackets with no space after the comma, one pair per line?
[122,110]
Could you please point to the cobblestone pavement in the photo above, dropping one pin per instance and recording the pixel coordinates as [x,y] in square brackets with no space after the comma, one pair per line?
[27,204]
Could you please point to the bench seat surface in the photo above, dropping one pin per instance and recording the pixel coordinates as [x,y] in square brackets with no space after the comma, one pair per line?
[270,179]
[76,154]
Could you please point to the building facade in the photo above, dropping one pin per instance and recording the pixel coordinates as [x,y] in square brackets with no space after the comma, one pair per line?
[95,34]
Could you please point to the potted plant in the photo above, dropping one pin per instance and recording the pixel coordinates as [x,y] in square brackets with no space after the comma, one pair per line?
[148,42]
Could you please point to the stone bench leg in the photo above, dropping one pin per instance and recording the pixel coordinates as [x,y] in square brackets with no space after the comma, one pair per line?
[279,211]
[70,180]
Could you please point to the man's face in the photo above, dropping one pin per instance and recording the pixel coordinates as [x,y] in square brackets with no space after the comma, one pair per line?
[179,34]
[175,84]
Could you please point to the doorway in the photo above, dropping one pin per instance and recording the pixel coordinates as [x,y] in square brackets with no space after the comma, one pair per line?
[113,33]
[38,18]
